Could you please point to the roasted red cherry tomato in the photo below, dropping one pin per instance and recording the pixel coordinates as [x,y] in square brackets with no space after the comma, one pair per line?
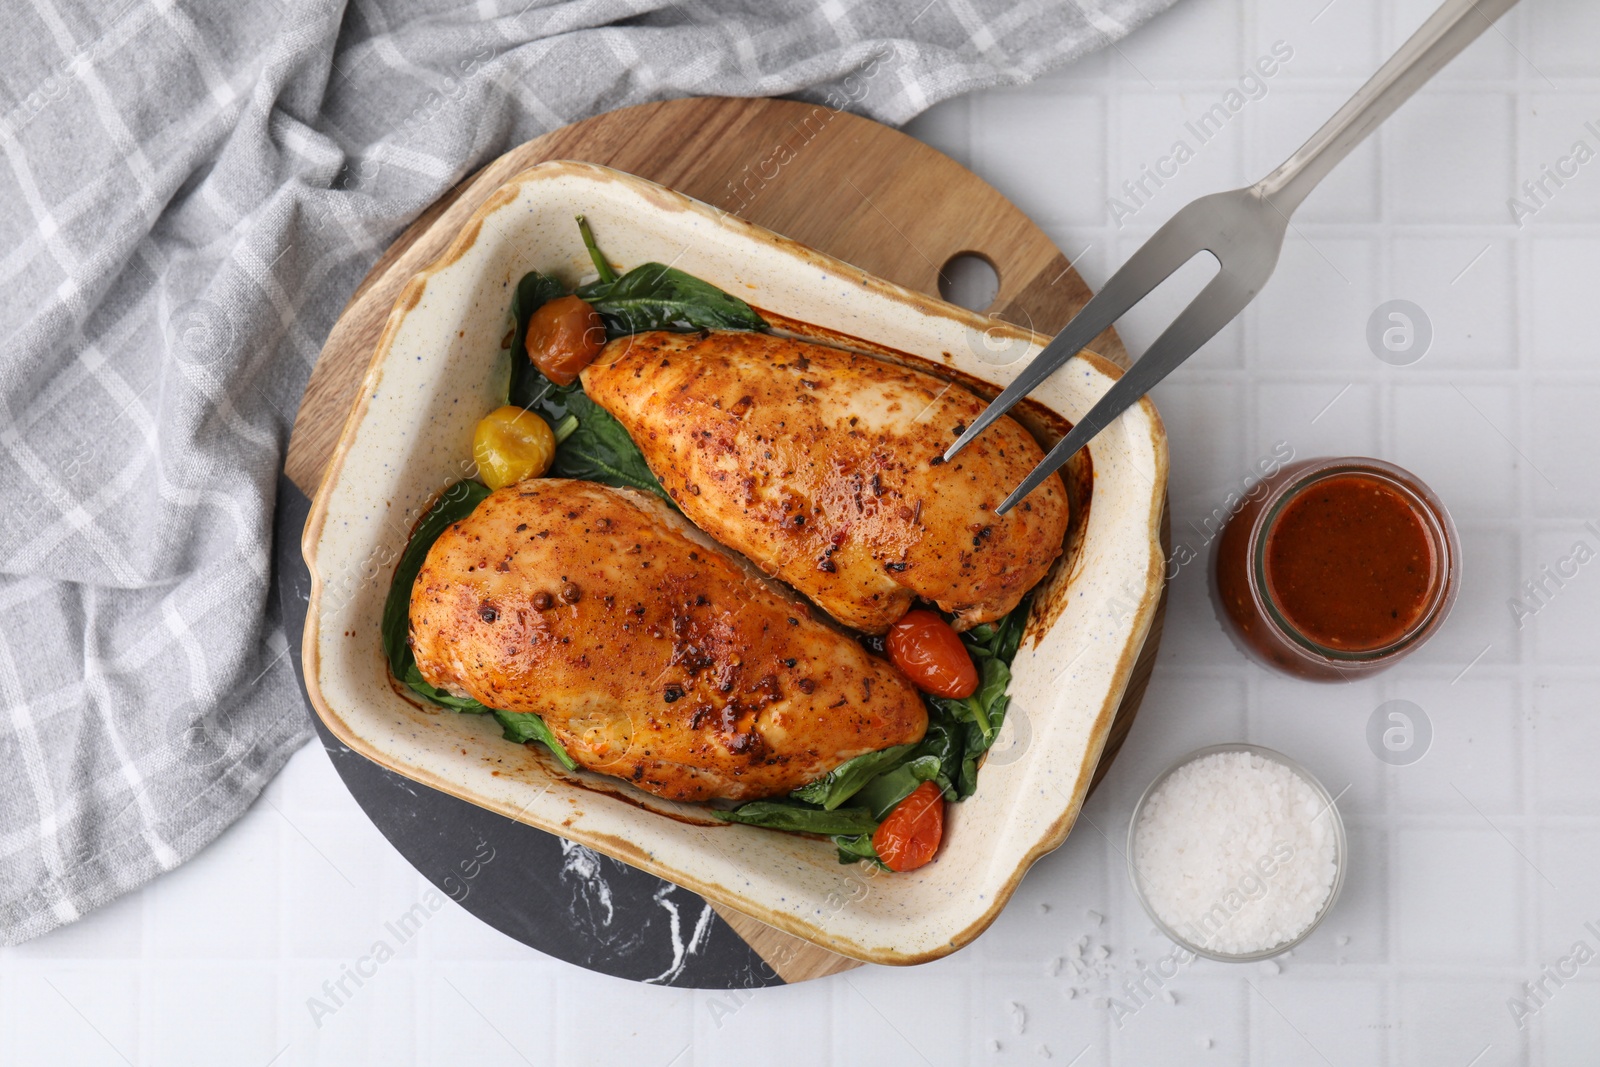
[564,336]
[931,654]
[910,836]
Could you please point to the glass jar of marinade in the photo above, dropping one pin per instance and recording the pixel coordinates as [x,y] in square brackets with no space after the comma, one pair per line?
[1340,568]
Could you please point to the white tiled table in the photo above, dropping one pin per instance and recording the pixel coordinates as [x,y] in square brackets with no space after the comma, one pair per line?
[1471,870]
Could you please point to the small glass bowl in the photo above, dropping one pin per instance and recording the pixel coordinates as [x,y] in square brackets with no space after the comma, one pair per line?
[1340,850]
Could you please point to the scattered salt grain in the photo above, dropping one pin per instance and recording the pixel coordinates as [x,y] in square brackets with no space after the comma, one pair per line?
[1236,852]
[1019,1019]
[1342,940]
[1101,952]
[1203,1042]
[1099,920]
[1169,996]
[1270,967]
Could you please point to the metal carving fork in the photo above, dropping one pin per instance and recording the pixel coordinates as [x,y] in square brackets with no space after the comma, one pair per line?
[1243,229]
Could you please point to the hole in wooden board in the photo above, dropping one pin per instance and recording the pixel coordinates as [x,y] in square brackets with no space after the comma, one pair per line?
[969,280]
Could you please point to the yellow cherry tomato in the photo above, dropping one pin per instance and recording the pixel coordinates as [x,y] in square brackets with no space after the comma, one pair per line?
[512,444]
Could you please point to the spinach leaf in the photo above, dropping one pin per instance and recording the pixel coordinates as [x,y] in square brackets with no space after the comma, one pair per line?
[525,726]
[858,847]
[842,783]
[600,450]
[1010,638]
[961,731]
[978,639]
[946,740]
[985,708]
[979,717]
[415,681]
[602,266]
[453,505]
[782,815]
[885,791]
[967,780]
[654,296]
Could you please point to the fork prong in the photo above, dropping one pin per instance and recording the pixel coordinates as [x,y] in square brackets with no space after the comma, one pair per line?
[1168,249]
[1215,306]
[1096,315]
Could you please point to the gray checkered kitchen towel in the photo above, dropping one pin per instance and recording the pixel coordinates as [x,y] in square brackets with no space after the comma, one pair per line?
[190,191]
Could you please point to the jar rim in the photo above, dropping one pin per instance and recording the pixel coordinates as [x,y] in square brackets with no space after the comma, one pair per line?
[1428,509]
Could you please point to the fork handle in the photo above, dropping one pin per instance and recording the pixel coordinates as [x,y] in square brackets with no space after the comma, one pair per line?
[1448,30]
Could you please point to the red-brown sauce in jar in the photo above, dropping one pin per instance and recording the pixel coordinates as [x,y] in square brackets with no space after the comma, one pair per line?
[1337,567]
[1349,563]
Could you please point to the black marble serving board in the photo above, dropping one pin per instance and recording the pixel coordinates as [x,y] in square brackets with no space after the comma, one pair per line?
[555,896]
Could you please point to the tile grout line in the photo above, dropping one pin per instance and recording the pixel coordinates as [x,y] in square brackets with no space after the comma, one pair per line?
[1531,911]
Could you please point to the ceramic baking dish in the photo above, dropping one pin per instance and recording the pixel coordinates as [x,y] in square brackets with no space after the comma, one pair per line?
[439,367]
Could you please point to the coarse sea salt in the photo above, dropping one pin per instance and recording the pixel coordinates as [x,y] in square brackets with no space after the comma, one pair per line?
[1236,852]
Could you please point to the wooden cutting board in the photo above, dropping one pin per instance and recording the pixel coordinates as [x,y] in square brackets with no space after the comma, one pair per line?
[844,185]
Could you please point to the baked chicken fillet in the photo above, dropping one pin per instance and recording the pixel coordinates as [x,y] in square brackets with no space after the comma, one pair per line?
[649,653]
[823,467]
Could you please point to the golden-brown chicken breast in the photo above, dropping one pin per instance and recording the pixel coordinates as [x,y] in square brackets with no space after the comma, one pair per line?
[649,653]
[823,467]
